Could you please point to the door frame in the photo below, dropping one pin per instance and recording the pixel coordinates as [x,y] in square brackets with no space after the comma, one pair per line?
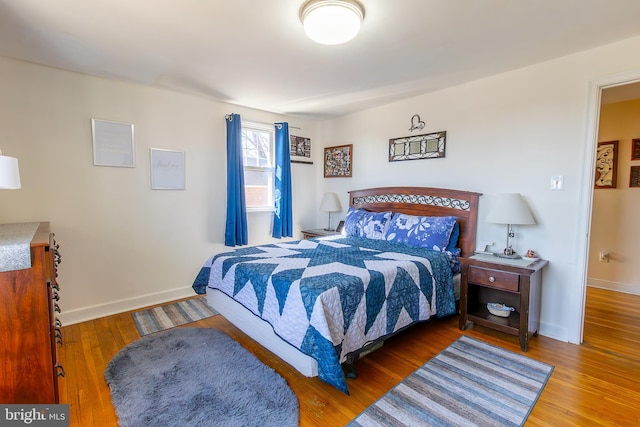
[577,304]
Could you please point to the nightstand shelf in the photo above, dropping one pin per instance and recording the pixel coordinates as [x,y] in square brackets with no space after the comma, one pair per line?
[479,314]
[516,283]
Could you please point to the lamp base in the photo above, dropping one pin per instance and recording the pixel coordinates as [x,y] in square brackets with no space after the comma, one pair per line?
[514,256]
[508,253]
[328,229]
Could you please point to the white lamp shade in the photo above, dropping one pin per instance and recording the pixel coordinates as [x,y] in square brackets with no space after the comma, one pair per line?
[331,22]
[9,173]
[330,203]
[509,208]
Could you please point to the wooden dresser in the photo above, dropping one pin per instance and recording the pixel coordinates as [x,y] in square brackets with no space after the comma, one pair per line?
[29,328]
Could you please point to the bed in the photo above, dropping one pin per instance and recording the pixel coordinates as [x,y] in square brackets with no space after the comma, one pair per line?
[322,302]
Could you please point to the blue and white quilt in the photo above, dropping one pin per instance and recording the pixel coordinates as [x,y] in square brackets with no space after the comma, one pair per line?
[330,297]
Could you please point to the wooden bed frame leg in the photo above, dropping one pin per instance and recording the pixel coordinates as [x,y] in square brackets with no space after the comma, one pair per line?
[352,367]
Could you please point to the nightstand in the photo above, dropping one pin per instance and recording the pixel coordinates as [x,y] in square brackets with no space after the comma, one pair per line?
[517,283]
[318,232]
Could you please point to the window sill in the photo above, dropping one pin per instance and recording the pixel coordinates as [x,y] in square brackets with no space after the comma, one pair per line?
[249,210]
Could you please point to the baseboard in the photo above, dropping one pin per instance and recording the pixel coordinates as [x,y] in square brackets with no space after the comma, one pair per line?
[554,331]
[101,310]
[614,286]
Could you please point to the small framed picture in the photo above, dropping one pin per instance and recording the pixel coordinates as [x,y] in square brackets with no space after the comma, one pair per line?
[635,149]
[167,169]
[300,149]
[338,161]
[606,165]
[634,177]
[112,144]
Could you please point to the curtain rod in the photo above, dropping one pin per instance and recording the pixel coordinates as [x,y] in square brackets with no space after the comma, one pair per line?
[228,116]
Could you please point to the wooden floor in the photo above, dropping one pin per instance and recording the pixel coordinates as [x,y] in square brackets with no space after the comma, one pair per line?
[597,383]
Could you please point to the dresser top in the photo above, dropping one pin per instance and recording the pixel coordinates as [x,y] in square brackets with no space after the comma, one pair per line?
[16,241]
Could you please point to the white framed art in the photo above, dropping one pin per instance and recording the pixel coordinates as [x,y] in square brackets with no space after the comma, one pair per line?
[112,144]
[167,169]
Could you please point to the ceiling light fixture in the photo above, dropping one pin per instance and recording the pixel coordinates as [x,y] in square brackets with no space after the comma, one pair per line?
[331,22]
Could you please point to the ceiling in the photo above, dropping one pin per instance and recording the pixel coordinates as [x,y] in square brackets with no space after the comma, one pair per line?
[620,93]
[254,52]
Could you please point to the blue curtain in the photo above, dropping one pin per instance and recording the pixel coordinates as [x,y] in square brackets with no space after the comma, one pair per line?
[283,217]
[236,228]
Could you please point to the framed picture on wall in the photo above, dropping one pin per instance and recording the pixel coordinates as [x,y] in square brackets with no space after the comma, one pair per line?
[635,149]
[300,149]
[112,144]
[167,169]
[426,146]
[606,164]
[634,176]
[338,161]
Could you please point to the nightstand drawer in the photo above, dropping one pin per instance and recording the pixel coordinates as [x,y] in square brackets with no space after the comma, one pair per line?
[494,278]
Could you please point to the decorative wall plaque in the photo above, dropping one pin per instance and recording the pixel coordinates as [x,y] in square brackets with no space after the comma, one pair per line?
[425,146]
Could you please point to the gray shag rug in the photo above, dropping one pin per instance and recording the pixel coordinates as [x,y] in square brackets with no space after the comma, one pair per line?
[196,377]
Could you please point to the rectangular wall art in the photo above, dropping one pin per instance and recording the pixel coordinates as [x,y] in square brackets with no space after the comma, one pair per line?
[167,170]
[635,149]
[426,146]
[606,165]
[300,146]
[300,149]
[112,144]
[338,161]
[634,178]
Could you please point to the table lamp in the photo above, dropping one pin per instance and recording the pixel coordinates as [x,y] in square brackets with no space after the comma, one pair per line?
[9,173]
[509,209]
[330,203]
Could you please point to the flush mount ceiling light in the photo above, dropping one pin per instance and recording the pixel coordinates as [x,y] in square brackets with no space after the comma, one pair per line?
[331,21]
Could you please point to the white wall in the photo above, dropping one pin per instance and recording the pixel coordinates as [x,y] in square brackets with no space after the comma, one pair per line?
[508,133]
[124,245]
[615,225]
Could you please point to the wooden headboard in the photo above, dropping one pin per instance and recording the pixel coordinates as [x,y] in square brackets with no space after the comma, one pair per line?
[425,201]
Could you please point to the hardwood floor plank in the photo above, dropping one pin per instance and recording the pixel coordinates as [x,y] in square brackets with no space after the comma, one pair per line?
[593,384]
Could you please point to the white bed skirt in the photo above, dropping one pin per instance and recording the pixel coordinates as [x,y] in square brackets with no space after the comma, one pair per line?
[263,333]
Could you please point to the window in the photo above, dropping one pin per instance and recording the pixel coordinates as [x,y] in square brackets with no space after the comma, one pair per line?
[258,158]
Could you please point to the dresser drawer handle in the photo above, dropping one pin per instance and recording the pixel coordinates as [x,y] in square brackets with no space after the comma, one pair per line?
[60,370]
[492,279]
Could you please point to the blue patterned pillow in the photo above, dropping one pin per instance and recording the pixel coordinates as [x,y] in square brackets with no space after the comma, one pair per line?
[453,239]
[430,232]
[375,224]
[352,221]
[362,223]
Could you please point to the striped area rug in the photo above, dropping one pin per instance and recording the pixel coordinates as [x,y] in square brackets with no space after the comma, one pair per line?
[470,383]
[171,315]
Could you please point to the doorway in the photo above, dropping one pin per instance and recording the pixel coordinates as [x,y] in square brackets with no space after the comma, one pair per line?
[612,91]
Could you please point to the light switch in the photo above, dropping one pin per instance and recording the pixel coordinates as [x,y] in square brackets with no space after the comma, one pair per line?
[557,183]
